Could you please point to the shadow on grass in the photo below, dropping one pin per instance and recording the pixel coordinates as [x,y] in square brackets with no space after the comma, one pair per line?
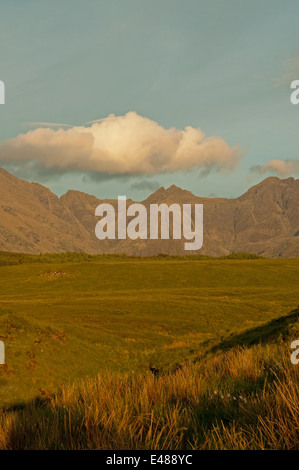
[278,328]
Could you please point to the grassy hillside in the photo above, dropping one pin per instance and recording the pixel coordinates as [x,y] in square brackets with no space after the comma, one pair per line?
[246,398]
[68,317]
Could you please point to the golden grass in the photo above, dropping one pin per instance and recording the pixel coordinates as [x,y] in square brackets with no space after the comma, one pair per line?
[246,398]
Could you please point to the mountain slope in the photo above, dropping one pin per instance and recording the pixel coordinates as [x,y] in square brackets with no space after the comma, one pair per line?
[264,220]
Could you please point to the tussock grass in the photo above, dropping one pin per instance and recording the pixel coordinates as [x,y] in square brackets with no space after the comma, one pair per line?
[245,398]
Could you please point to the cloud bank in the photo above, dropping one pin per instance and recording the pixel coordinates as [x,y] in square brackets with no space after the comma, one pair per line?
[145,185]
[119,145]
[282,168]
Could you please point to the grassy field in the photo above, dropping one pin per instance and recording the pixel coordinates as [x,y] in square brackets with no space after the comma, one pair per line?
[63,321]
[68,318]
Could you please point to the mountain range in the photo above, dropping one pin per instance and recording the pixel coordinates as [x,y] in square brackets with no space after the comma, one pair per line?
[264,220]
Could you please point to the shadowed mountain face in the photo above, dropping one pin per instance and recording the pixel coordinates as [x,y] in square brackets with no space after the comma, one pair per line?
[264,220]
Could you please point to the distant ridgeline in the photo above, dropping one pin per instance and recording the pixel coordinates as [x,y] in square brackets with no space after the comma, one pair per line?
[2,92]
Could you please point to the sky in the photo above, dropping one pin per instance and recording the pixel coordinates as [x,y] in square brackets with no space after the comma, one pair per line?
[121,97]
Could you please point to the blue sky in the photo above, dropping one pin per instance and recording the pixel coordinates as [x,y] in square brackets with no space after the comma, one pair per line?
[224,66]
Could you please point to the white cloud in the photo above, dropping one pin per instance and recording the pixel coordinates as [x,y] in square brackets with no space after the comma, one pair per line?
[282,168]
[120,145]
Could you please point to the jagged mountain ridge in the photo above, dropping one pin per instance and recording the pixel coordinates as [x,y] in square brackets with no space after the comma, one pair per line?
[264,220]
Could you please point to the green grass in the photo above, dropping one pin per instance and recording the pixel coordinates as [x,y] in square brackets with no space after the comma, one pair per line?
[72,316]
